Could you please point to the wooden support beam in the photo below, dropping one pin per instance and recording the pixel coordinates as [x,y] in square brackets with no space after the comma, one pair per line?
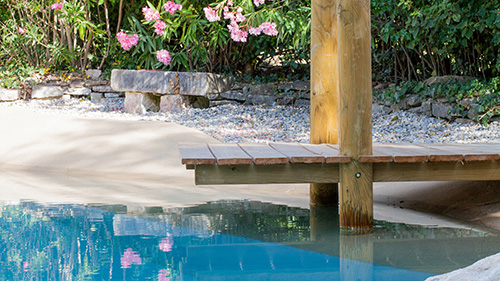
[324,89]
[354,47]
[266,174]
[326,173]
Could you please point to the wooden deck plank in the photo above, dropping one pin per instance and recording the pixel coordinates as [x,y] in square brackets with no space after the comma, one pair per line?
[403,153]
[297,153]
[263,154]
[474,151]
[330,152]
[196,154]
[378,156]
[439,155]
[230,154]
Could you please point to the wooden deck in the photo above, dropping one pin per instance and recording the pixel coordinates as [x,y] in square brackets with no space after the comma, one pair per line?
[307,163]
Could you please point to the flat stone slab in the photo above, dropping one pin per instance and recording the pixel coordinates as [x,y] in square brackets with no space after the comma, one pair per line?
[9,95]
[46,92]
[168,82]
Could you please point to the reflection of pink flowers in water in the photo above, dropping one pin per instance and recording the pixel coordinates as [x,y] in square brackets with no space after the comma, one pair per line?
[166,244]
[129,258]
[163,275]
[25,266]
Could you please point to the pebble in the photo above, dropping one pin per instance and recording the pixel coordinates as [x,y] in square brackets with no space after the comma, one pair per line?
[238,123]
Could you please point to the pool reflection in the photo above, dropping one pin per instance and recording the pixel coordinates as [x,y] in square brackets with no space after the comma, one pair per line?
[226,240]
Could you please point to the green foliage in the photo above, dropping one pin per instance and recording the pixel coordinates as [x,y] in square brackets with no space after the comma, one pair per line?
[476,97]
[416,39]
[12,77]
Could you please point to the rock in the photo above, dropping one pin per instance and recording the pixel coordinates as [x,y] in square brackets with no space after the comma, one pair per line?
[66,97]
[302,102]
[168,82]
[487,269]
[381,109]
[413,100]
[103,89]
[95,97]
[233,95]
[260,99]
[140,103]
[213,96]
[198,101]
[93,73]
[223,102]
[171,103]
[463,121]
[472,112]
[441,110]
[77,84]
[261,89]
[495,118]
[426,107]
[112,95]
[92,83]
[446,79]
[467,102]
[9,95]
[78,91]
[301,86]
[46,92]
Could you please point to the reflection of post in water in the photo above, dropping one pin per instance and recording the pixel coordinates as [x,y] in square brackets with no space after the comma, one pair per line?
[356,253]
[324,223]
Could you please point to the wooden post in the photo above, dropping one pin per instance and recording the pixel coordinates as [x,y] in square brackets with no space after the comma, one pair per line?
[324,89]
[356,180]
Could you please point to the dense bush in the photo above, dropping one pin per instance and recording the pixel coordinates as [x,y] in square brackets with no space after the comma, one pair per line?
[416,39]
[412,39]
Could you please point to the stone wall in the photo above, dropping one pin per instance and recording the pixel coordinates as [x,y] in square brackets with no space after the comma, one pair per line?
[196,90]
[77,86]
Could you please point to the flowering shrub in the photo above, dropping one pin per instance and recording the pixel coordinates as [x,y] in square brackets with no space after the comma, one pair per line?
[208,38]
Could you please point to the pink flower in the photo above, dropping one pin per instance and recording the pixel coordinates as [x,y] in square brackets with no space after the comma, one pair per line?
[150,14]
[163,56]
[159,27]
[259,2]
[171,7]
[163,275]
[269,28]
[129,258]
[211,14]
[20,30]
[230,3]
[166,244]
[237,34]
[126,41]
[56,6]
[255,30]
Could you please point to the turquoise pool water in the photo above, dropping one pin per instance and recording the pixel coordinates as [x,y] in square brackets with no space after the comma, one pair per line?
[226,240]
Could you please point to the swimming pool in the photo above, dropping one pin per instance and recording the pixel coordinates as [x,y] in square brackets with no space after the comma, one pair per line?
[223,240]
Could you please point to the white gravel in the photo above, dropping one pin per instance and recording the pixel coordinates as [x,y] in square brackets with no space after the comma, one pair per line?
[232,123]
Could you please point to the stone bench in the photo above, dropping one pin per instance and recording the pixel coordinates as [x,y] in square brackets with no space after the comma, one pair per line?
[166,91]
